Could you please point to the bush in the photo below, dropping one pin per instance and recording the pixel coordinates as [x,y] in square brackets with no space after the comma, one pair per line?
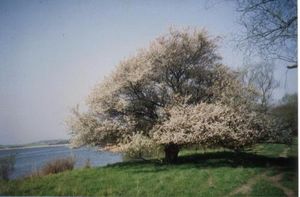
[56,166]
[87,163]
[143,148]
[6,166]
[287,110]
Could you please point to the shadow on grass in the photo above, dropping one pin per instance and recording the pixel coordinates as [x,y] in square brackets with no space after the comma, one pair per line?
[213,160]
[234,159]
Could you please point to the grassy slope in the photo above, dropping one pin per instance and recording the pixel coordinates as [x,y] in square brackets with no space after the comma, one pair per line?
[220,173]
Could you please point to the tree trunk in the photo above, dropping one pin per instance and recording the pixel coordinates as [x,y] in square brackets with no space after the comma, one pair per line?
[171,153]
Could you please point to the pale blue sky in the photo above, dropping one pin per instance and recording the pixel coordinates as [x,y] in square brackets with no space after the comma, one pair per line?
[53,52]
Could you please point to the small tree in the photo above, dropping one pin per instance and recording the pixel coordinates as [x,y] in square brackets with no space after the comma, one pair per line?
[173,94]
[287,110]
[261,77]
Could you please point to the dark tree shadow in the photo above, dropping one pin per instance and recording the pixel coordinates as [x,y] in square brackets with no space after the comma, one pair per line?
[214,160]
[235,159]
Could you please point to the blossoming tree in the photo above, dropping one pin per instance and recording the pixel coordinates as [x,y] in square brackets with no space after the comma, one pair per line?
[175,93]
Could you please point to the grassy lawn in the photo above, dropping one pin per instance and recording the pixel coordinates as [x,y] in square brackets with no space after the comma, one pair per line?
[266,170]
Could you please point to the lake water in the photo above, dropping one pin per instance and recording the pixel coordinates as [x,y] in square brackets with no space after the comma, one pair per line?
[31,159]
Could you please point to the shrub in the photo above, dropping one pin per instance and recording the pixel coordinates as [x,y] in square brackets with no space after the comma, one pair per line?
[87,163]
[141,147]
[56,166]
[6,166]
[287,111]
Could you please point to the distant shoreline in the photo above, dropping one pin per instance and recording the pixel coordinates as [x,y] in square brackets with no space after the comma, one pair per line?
[37,146]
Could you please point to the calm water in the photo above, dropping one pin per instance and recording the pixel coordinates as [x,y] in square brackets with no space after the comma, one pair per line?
[30,159]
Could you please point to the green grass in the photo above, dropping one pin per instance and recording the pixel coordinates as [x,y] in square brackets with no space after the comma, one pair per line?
[272,150]
[290,180]
[135,180]
[266,188]
[197,173]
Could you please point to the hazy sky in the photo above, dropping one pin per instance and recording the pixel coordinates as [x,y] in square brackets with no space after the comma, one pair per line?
[53,52]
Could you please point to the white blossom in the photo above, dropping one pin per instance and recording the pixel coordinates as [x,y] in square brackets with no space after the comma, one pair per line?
[174,92]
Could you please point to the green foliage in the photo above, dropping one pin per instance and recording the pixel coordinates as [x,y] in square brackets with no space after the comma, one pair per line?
[287,110]
[6,166]
[139,147]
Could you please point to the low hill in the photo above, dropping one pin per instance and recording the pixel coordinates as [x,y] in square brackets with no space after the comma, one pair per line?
[38,143]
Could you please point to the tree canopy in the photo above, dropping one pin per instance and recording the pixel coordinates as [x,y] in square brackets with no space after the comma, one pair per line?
[174,93]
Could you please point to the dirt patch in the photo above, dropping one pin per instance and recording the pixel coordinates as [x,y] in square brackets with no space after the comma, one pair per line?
[210,181]
[246,188]
[275,180]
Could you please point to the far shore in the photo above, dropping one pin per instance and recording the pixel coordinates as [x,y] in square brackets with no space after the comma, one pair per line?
[37,146]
